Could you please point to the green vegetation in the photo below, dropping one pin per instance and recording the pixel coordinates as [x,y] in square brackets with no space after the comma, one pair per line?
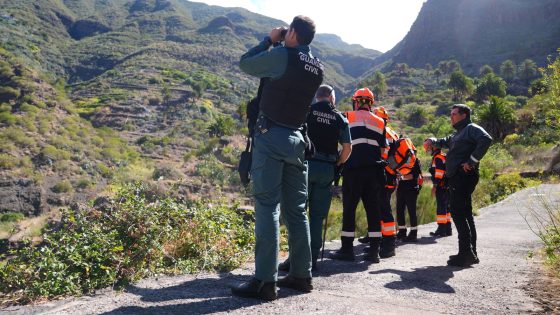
[550,235]
[8,222]
[62,187]
[133,236]
[11,217]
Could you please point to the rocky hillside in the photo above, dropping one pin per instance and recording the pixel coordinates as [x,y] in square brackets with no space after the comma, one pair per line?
[49,155]
[479,32]
[136,89]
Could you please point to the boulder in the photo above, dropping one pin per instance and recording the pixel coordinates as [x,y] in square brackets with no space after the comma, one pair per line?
[21,195]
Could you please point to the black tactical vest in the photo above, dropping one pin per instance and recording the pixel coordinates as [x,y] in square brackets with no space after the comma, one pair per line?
[324,124]
[286,100]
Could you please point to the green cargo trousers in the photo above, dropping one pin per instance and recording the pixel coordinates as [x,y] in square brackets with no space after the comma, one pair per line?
[321,175]
[279,174]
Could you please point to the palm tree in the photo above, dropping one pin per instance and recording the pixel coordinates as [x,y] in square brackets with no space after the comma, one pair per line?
[497,117]
[490,85]
[507,70]
[527,70]
[461,84]
[443,68]
[378,84]
[484,70]
[453,65]
[437,74]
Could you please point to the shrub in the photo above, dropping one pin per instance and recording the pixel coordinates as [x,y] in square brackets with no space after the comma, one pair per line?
[166,172]
[104,170]
[62,187]
[83,183]
[54,153]
[7,118]
[25,107]
[210,168]
[19,137]
[11,217]
[8,93]
[7,161]
[223,126]
[490,191]
[131,237]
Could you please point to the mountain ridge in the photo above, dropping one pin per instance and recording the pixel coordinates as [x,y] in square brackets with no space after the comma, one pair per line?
[479,32]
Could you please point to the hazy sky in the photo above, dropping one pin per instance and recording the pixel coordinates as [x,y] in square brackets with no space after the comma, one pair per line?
[376,24]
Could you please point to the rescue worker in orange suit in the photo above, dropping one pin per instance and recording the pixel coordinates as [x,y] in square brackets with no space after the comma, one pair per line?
[408,188]
[388,227]
[439,189]
[364,176]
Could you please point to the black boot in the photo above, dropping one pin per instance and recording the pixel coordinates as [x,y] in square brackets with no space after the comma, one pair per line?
[373,253]
[364,240]
[476,261]
[411,237]
[299,284]
[285,265]
[463,259]
[256,289]
[440,231]
[387,247]
[343,254]
[448,229]
[401,234]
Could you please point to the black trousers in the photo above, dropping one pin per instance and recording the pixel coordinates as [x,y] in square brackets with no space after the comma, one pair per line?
[406,198]
[461,187]
[361,184]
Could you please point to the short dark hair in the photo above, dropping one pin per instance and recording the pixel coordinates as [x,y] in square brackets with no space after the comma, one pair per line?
[324,91]
[463,109]
[305,29]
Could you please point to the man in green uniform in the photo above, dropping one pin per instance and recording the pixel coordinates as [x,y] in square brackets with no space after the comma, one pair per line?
[279,169]
[327,128]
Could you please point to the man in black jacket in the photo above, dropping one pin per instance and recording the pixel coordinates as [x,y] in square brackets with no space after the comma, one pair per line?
[467,146]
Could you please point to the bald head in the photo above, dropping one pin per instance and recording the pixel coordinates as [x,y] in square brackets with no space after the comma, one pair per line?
[325,93]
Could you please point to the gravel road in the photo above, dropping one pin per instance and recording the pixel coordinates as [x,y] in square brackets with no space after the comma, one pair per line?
[416,280]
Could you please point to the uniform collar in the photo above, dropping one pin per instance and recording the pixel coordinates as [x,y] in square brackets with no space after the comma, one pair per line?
[303,48]
[462,124]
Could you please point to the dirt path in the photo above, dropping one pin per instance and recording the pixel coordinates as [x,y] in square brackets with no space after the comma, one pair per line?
[416,280]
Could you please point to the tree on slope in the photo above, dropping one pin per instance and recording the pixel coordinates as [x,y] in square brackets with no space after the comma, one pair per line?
[507,70]
[497,117]
[490,85]
[461,85]
[484,70]
[527,70]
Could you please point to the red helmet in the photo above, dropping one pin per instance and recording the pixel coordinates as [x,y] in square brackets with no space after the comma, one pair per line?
[381,112]
[363,96]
